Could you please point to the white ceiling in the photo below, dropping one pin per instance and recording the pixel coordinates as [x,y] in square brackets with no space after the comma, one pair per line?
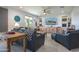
[38,10]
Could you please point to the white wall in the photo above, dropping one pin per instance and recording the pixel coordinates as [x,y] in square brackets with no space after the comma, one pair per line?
[12,13]
[75,17]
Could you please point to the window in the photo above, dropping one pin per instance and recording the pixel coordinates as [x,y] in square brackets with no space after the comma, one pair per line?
[29,21]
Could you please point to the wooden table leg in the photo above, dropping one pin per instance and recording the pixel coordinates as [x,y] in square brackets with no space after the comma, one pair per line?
[8,45]
[24,45]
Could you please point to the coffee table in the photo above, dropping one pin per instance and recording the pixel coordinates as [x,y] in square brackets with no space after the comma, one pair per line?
[13,37]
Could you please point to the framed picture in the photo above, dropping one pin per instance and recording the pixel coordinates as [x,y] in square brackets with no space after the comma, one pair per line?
[51,21]
[64,19]
[64,25]
[69,24]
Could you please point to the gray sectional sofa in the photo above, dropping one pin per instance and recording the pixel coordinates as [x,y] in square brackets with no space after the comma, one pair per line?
[35,40]
[70,40]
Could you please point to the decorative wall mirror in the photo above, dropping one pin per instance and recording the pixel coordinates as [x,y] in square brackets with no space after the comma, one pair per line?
[17,18]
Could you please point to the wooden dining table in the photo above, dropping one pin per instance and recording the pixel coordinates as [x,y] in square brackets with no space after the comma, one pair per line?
[14,37]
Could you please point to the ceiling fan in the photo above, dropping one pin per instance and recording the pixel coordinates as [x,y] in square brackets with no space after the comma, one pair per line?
[46,11]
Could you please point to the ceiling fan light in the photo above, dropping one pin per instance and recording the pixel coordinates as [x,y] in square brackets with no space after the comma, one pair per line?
[44,13]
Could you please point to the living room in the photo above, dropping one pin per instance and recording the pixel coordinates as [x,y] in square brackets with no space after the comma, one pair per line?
[48,21]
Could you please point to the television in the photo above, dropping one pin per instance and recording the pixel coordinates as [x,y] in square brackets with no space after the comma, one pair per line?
[51,21]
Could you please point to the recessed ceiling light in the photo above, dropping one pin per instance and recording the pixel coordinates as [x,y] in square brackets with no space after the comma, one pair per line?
[20,7]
